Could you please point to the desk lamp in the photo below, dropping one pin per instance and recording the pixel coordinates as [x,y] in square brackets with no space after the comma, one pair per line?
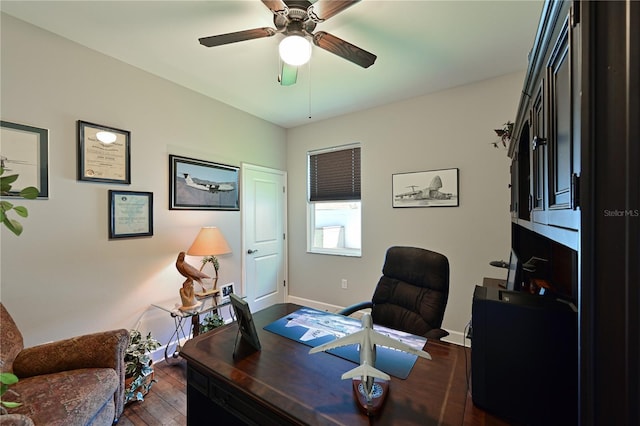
[209,243]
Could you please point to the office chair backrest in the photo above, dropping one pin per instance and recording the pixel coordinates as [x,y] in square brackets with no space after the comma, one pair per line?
[412,294]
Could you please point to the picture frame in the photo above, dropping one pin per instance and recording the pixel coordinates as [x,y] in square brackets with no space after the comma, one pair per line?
[130,214]
[202,185]
[244,318]
[25,152]
[104,154]
[432,188]
[225,292]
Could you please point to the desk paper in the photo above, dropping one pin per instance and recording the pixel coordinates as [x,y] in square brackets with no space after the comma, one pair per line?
[312,327]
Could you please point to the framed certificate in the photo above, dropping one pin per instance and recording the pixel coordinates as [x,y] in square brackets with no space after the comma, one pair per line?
[103,153]
[24,151]
[130,214]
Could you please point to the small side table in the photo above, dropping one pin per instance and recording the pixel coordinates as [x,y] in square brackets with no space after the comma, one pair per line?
[208,304]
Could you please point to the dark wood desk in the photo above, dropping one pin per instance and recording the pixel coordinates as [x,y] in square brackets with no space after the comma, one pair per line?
[284,385]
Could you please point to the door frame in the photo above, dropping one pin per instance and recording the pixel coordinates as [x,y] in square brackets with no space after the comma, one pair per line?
[285,256]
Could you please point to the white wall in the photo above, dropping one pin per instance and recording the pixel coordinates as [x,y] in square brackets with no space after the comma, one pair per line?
[449,129]
[63,276]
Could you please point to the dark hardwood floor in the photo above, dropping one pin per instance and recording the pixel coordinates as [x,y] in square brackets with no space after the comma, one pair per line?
[166,402]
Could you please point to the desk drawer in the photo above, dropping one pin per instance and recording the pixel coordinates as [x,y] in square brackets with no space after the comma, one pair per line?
[209,398]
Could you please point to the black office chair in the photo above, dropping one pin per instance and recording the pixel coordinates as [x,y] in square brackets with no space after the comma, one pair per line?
[412,293]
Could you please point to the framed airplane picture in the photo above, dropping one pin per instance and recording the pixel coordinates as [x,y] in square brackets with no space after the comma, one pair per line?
[433,188]
[202,185]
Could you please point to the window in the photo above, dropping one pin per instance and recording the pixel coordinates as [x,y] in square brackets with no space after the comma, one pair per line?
[334,210]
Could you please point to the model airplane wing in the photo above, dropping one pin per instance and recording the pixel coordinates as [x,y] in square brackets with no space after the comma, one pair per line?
[382,340]
[376,338]
[365,370]
[352,339]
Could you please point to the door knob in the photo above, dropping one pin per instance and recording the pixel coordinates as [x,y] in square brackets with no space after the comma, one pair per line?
[252,251]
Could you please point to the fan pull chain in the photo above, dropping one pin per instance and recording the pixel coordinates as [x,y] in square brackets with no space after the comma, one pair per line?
[309,84]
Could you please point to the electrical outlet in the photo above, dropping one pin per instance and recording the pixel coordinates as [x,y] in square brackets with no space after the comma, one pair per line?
[344,283]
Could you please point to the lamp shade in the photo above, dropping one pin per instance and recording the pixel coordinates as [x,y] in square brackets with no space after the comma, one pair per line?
[209,241]
[295,50]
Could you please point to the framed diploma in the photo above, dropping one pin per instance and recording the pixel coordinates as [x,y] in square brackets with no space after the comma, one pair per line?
[130,214]
[103,153]
[24,151]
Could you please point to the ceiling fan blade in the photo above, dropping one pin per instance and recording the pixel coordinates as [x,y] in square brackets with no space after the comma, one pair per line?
[344,49]
[221,39]
[278,7]
[288,74]
[325,9]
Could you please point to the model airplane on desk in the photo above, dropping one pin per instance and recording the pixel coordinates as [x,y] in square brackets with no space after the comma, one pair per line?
[369,393]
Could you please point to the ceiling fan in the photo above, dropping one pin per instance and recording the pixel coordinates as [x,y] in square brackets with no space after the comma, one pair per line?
[297,19]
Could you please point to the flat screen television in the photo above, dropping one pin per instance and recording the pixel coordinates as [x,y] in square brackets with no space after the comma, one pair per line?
[513,275]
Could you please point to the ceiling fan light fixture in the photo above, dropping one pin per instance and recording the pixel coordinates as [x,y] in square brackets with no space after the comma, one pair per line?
[295,50]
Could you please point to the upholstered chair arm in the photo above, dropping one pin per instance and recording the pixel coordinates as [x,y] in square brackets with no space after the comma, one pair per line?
[15,420]
[354,308]
[97,350]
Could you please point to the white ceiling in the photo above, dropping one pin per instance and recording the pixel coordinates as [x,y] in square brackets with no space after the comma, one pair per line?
[423,46]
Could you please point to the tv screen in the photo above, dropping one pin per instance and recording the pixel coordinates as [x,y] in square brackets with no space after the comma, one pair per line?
[513,275]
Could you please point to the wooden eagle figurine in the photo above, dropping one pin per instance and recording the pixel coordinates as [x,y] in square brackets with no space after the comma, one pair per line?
[191,274]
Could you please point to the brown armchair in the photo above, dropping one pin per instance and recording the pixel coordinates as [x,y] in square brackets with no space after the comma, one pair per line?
[412,293]
[76,381]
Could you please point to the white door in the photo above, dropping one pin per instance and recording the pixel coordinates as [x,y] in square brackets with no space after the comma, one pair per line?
[264,239]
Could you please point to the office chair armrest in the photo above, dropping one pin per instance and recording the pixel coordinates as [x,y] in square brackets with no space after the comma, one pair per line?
[353,308]
[436,333]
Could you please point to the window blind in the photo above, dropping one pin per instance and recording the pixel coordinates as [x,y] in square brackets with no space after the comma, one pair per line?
[335,175]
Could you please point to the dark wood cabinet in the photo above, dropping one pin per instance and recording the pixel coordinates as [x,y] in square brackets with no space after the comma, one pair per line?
[549,117]
[538,155]
[575,199]
[564,115]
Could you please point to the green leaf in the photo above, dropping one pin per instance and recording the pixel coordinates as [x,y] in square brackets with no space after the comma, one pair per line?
[8,378]
[21,211]
[13,226]
[30,193]
[5,205]
[10,404]
[8,179]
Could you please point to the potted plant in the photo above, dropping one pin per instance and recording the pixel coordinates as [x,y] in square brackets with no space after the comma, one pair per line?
[138,369]
[7,379]
[210,322]
[29,193]
[504,134]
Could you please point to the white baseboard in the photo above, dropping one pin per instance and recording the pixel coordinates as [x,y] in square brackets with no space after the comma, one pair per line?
[313,304]
[457,338]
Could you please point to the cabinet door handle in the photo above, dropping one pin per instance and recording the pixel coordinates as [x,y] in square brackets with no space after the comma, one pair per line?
[252,251]
[530,202]
[575,191]
[538,141]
